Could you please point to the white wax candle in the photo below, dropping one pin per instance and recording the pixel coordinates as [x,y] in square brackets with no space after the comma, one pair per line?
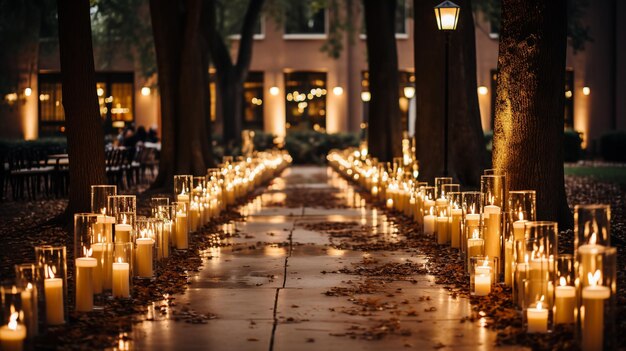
[98,275]
[442,230]
[144,257]
[537,319]
[455,227]
[29,306]
[194,214]
[182,231]
[182,198]
[53,293]
[592,315]
[12,336]
[564,304]
[167,234]
[429,224]
[121,280]
[518,229]
[84,283]
[482,284]
[122,233]
[105,219]
[475,247]
[508,263]
[492,233]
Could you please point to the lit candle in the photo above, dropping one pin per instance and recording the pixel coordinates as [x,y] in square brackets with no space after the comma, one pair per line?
[104,225]
[455,227]
[592,313]
[84,281]
[429,223]
[121,279]
[144,256]
[13,334]
[508,262]
[521,274]
[564,303]
[482,279]
[102,272]
[194,216]
[537,319]
[122,231]
[442,228]
[183,197]
[475,245]
[518,227]
[389,203]
[492,215]
[167,233]
[182,231]
[53,293]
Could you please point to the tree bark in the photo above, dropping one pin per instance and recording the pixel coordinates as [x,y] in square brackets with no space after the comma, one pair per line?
[528,132]
[85,136]
[231,76]
[384,126]
[183,83]
[466,147]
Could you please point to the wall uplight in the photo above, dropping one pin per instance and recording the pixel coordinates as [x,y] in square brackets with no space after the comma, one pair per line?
[586,90]
[28,91]
[145,91]
[337,91]
[274,91]
[366,96]
[409,92]
[482,90]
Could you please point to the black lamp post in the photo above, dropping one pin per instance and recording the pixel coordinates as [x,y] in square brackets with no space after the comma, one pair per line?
[447,14]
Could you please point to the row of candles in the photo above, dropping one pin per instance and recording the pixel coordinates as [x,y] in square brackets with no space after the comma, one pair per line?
[501,241]
[113,246]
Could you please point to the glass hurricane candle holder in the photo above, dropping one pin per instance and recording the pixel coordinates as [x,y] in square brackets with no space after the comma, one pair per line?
[13,327]
[475,246]
[100,198]
[442,221]
[181,225]
[470,204]
[520,273]
[493,189]
[182,187]
[537,317]
[540,273]
[156,203]
[125,212]
[165,215]
[26,279]
[145,248]
[564,290]
[449,188]
[456,218]
[592,225]
[122,269]
[482,276]
[52,282]
[522,208]
[597,303]
[439,183]
[86,266]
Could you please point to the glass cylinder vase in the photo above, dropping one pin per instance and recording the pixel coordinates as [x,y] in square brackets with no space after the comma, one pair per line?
[592,225]
[52,282]
[26,279]
[13,327]
[493,189]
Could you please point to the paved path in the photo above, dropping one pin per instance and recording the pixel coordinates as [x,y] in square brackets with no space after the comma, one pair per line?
[273,297]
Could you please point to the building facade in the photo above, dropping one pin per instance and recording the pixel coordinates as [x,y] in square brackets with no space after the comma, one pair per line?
[294,85]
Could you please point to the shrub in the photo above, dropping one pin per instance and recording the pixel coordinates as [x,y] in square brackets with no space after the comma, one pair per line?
[613,146]
[312,147]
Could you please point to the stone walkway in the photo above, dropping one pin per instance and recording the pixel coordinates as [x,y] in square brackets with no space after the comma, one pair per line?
[274,298]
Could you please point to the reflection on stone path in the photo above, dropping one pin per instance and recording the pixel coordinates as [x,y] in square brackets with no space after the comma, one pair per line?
[270,288]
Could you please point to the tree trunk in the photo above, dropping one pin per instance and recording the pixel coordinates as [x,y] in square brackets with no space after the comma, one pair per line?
[466,147]
[166,31]
[183,83]
[85,137]
[528,132]
[231,96]
[385,126]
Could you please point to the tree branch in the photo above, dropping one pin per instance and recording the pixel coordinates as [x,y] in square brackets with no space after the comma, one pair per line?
[217,47]
[244,56]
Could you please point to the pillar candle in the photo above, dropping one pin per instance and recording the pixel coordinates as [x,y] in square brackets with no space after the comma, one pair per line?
[592,315]
[455,227]
[390,203]
[104,227]
[53,293]
[564,303]
[194,217]
[442,230]
[165,244]
[121,280]
[521,274]
[12,335]
[508,262]
[122,233]
[29,306]
[182,198]
[482,284]
[84,283]
[102,272]
[144,257]
[429,224]
[492,215]
[537,319]
[518,229]
[182,231]
[475,246]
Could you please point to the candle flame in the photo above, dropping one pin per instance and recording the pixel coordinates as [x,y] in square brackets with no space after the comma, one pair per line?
[593,239]
[50,272]
[103,210]
[472,208]
[29,286]
[491,198]
[475,234]
[123,219]
[431,211]
[594,278]
[539,304]
[119,260]
[486,261]
[87,253]
[13,319]
[521,215]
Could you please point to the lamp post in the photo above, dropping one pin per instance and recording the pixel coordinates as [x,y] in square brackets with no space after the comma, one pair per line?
[447,14]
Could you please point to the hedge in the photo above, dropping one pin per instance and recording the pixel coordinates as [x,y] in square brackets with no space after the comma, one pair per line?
[613,146]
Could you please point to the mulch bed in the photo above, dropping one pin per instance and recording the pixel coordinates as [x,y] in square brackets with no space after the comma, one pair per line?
[495,311]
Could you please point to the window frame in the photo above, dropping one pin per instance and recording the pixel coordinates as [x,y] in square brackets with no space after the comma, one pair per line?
[308,36]
[400,36]
[255,36]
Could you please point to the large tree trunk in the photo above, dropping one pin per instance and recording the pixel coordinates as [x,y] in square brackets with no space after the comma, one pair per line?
[183,83]
[85,137]
[528,132]
[466,148]
[385,126]
[231,76]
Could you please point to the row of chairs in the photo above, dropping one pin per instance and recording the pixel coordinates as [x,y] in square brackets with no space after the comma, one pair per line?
[31,172]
